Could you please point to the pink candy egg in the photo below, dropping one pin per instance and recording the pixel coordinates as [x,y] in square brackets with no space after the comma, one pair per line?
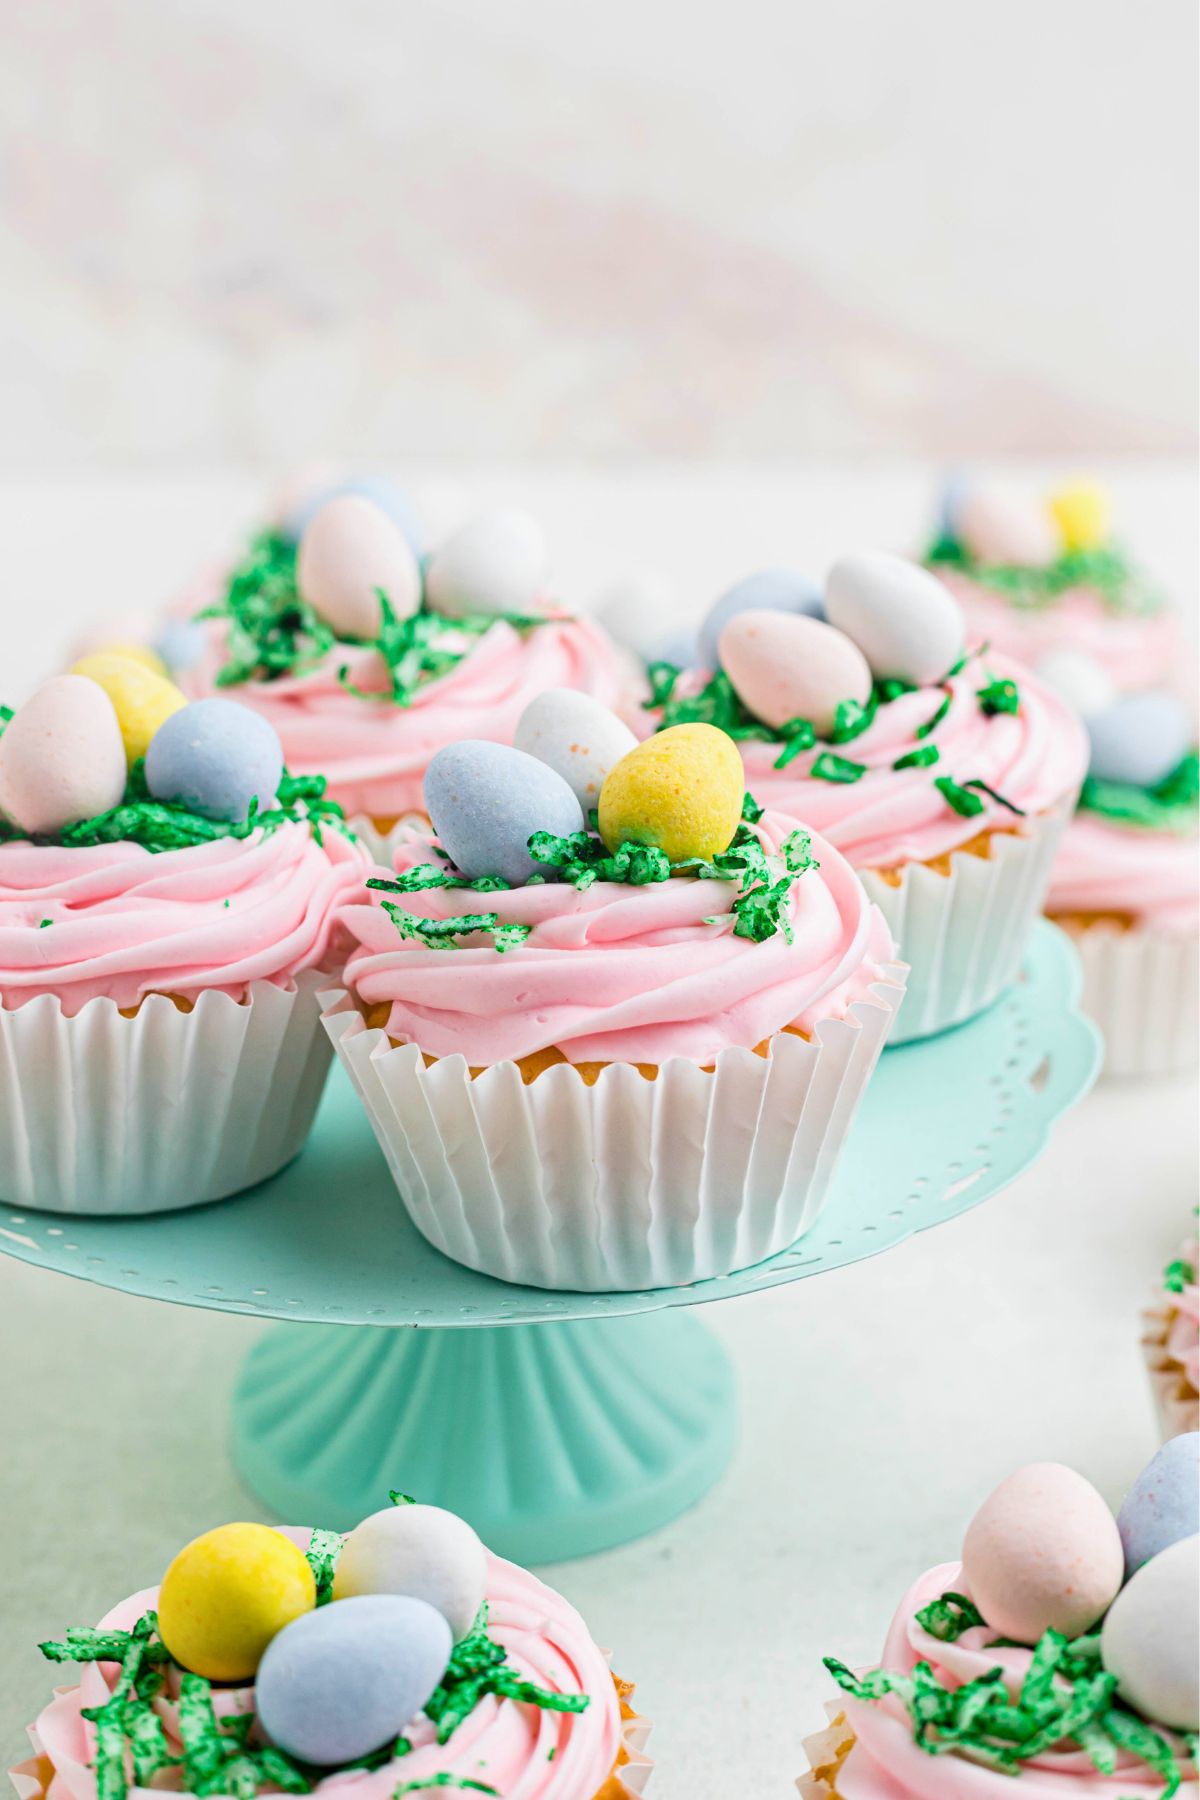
[999,528]
[350,551]
[1043,1552]
[61,756]
[785,666]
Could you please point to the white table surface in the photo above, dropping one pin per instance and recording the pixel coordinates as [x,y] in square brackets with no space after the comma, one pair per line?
[879,1403]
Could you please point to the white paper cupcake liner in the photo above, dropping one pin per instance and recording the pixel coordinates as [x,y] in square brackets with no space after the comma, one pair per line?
[963,934]
[381,845]
[104,1114]
[627,1183]
[1142,988]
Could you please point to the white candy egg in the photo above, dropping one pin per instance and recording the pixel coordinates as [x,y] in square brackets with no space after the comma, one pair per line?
[61,756]
[1085,685]
[422,1551]
[636,611]
[575,736]
[496,563]
[1151,1638]
[350,552]
[999,528]
[905,621]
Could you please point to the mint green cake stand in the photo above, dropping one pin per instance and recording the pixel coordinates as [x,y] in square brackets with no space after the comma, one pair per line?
[558,1423]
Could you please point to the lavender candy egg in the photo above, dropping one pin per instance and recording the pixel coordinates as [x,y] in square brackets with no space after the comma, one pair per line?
[486,801]
[1042,1553]
[785,666]
[1139,739]
[181,643]
[342,1680]
[577,737]
[214,757]
[1163,1505]
[1151,1638]
[350,553]
[380,490]
[422,1551]
[767,590]
[62,758]
[905,621]
[1085,685]
[496,563]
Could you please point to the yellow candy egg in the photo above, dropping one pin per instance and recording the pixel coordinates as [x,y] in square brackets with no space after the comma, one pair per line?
[1082,513]
[227,1594]
[681,790]
[141,699]
[138,653]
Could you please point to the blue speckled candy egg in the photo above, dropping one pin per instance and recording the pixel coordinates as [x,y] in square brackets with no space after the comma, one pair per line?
[1163,1505]
[905,621]
[767,590]
[487,800]
[1139,738]
[337,1683]
[213,757]
[181,643]
[386,494]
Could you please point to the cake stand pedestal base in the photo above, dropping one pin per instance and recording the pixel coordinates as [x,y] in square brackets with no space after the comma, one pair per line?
[554,1440]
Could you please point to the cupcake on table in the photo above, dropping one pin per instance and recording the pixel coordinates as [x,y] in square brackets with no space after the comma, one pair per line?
[367,654]
[1039,579]
[1171,1342]
[401,1660]
[1059,1657]
[943,772]
[168,909]
[611,1020]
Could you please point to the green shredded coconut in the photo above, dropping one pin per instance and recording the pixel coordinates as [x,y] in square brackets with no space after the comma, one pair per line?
[998,696]
[399,1499]
[828,767]
[444,1780]
[423,876]
[1171,806]
[478,1667]
[931,724]
[444,931]
[1106,569]
[424,645]
[752,812]
[716,704]
[1178,1274]
[923,758]
[324,1548]
[42,923]
[1066,1696]
[797,736]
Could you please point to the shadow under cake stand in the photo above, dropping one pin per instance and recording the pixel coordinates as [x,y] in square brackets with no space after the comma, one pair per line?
[557,1423]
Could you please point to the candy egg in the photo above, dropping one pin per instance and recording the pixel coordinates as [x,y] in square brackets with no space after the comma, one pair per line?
[344,1680]
[767,590]
[138,653]
[214,757]
[486,801]
[905,621]
[140,699]
[997,528]
[61,757]
[226,1595]
[682,790]
[496,563]
[422,1551]
[634,611]
[1163,1505]
[349,554]
[181,644]
[1151,1638]
[1085,685]
[1083,514]
[1140,738]
[1042,1552]
[380,490]
[575,736]
[786,667]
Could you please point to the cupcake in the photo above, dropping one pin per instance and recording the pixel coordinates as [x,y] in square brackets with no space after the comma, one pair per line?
[944,774]
[613,1056]
[1047,583]
[1171,1343]
[1058,1657]
[367,660]
[168,910]
[403,1659]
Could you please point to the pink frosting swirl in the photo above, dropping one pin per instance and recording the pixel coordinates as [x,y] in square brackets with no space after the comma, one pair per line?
[1036,758]
[1138,650]
[374,754]
[887,1764]
[125,921]
[524,1752]
[1104,866]
[618,973]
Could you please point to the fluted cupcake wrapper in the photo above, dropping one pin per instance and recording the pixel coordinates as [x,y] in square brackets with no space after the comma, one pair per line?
[104,1114]
[963,934]
[626,1183]
[381,845]
[1142,988]
[1176,1401]
[826,1750]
